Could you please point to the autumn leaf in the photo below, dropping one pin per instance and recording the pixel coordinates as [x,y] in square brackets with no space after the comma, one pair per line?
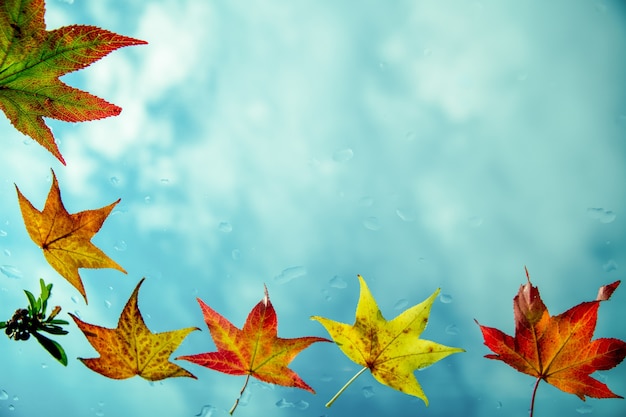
[66,238]
[391,350]
[31,61]
[255,350]
[557,349]
[131,348]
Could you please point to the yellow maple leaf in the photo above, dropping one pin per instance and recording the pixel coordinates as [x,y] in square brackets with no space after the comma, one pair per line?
[391,350]
[131,348]
[66,238]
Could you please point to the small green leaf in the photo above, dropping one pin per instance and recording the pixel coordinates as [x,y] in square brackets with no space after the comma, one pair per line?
[52,347]
[57,321]
[3,324]
[53,329]
[33,309]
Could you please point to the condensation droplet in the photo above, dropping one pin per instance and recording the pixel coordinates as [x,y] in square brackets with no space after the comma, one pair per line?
[165,181]
[445,298]
[611,265]
[225,227]
[371,223]
[3,233]
[289,274]
[283,403]
[366,201]
[368,391]
[301,405]
[584,409]
[235,254]
[44,365]
[107,303]
[245,398]
[77,313]
[326,378]
[16,398]
[406,215]
[401,304]
[4,395]
[604,216]
[338,282]
[99,413]
[10,271]
[608,217]
[498,405]
[120,246]
[452,329]
[343,155]
[11,407]
[206,411]
[326,295]
[7,252]
[74,299]
[114,180]
[147,199]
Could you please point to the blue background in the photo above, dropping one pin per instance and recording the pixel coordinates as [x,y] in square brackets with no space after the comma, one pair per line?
[422,144]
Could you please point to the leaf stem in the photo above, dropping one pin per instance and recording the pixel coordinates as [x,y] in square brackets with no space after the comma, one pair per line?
[532,400]
[245,384]
[332,400]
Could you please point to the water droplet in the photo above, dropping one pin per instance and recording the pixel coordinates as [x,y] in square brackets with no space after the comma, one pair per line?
[475,221]
[77,313]
[406,215]
[584,409]
[120,246]
[44,365]
[326,378]
[225,227]
[11,407]
[7,252]
[301,405]
[245,398]
[16,398]
[206,411]
[235,254]
[371,223]
[283,403]
[401,304]
[99,413]
[147,199]
[382,65]
[343,155]
[107,303]
[74,299]
[366,201]
[611,265]
[445,298]
[604,216]
[368,391]
[100,403]
[338,282]
[10,271]
[165,181]
[452,329]
[4,395]
[114,180]
[3,233]
[290,273]
[498,405]
[326,295]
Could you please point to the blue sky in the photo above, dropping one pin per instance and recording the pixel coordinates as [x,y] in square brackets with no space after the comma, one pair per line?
[422,145]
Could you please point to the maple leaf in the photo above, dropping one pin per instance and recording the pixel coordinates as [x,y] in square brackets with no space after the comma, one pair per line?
[131,348]
[391,350]
[255,350]
[66,238]
[557,349]
[31,61]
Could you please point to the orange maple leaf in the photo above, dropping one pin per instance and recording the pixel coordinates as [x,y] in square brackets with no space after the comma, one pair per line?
[31,61]
[255,350]
[557,349]
[131,348]
[66,238]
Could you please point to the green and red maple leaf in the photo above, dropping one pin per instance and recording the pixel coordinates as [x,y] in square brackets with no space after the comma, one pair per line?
[31,61]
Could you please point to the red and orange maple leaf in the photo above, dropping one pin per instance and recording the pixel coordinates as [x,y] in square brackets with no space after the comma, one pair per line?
[255,350]
[557,349]
[31,61]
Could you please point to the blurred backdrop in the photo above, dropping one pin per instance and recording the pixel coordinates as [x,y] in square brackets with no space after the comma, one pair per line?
[422,144]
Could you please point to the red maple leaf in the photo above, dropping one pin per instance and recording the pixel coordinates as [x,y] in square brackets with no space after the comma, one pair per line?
[557,349]
[31,61]
[255,350]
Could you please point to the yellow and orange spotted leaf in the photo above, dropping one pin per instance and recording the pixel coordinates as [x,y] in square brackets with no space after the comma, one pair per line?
[66,238]
[255,350]
[557,349]
[391,350]
[131,348]
[31,61]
